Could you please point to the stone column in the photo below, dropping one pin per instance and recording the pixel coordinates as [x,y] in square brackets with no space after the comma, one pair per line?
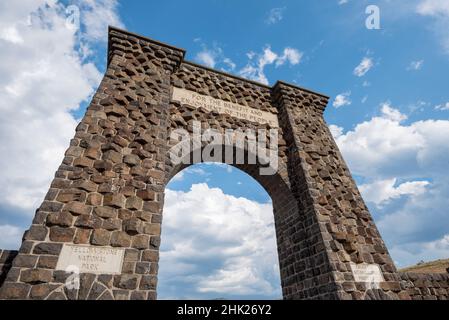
[338,228]
[108,191]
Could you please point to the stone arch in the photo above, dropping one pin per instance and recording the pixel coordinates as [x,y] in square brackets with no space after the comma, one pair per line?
[108,193]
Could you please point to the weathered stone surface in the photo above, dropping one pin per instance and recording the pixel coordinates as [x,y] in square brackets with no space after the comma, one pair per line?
[62,219]
[82,236]
[77,208]
[132,226]
[152,229]
[150,255]
[148,283]
[112,156]
[126,281]
[105,212]
[36,276]
[95,199]
[120,239]
[134,203]
[36,233]
[26,261]
[115,200]
[141,241]
[132,160]
[47,262]
[14,291]
[146,194]
[61,234]
[70,195]
[47,248]
[88,222]
[100,237]
[41,291]
[83,162]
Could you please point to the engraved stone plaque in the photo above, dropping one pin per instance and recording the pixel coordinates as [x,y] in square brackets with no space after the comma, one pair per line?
[365,272]
[225,107]
[90,259]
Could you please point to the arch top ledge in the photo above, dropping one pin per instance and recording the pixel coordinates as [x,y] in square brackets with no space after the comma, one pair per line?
[114,33]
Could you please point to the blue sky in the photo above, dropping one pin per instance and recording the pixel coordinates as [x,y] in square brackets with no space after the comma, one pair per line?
[389,113]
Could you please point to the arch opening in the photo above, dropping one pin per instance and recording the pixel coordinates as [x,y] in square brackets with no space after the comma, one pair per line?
[218,236]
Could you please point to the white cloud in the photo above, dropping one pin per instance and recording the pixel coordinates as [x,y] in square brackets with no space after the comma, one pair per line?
[415,65]
[11,237]
[229,63]
[335,130]
[206,57]
[404,172]
[433,7]
[275,15]
[44,78]
[342,100]
[96,16]
[291,55]
[384,191]
[439,11]
[217,244]
[341,2]
[390,113]
[442,107]
[255,68]
[364,66]
[213,56]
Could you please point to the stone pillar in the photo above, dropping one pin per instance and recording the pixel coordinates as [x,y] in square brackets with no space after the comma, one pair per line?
[338,228]
[108,191]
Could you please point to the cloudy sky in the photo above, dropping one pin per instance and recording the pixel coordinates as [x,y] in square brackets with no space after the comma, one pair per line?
[389,113]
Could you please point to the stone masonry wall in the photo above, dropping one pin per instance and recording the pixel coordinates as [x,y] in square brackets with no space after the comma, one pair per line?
[6,258]
[425,286]
[109,189]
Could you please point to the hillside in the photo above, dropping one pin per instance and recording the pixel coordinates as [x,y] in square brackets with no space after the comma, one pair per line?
[437,266]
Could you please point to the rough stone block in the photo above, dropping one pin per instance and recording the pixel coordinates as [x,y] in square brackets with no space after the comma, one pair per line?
[83,162]
[152,229]
[37,233]
[120,239]
[112,156]
[115,200]
[62,219]
[62,234]
[100,237]
[47,248]
[148,282]
[134,203]
[14,291]
[132,226]
[126,281]
[77,208]
[132,160]
[146,194]
[141,241]
[105,212]
[36,276]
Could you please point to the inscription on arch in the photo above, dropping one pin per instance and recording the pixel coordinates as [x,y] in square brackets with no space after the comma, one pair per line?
[209,103]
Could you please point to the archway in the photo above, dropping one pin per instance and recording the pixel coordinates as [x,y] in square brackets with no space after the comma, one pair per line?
[107,195]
